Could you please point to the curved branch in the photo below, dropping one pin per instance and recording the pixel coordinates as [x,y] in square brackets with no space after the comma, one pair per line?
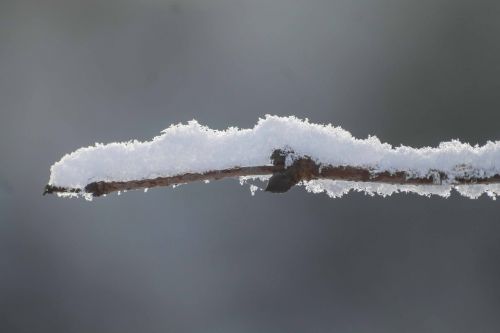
[100,188]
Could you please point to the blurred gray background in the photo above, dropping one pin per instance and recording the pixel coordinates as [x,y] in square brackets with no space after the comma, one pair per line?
[212,258]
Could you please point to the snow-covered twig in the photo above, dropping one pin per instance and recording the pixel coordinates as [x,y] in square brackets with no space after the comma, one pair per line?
[104,187]
[283,178]
[292,151]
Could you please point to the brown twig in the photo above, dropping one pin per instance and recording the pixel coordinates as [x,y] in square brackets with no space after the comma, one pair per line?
[282,179]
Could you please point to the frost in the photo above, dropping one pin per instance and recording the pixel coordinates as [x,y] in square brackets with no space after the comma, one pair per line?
[194,148]
[288,161]
[261,178]
[67,195]
[338,188]
[253,189]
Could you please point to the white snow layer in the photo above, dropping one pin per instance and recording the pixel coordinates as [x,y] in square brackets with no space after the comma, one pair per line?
[192,147]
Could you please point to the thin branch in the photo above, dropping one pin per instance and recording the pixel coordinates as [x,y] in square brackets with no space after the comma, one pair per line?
[101,187]
[282,177]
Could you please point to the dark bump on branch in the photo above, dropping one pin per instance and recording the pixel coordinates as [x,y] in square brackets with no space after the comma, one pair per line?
[302,169]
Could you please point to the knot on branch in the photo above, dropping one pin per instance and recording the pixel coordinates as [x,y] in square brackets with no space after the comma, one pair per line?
[302,168]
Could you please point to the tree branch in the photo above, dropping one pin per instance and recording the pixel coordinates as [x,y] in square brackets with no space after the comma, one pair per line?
[282,177]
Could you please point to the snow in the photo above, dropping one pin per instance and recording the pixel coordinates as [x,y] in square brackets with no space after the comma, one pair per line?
[253,189]
[340,188]
[192,147]
[337,189]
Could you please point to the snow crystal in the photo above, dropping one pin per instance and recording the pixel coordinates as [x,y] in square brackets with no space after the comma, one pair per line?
[261,178]
[195,148]
[339,188]
[253,189]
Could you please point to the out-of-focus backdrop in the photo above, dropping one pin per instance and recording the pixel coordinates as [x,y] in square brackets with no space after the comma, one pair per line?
[212,258]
